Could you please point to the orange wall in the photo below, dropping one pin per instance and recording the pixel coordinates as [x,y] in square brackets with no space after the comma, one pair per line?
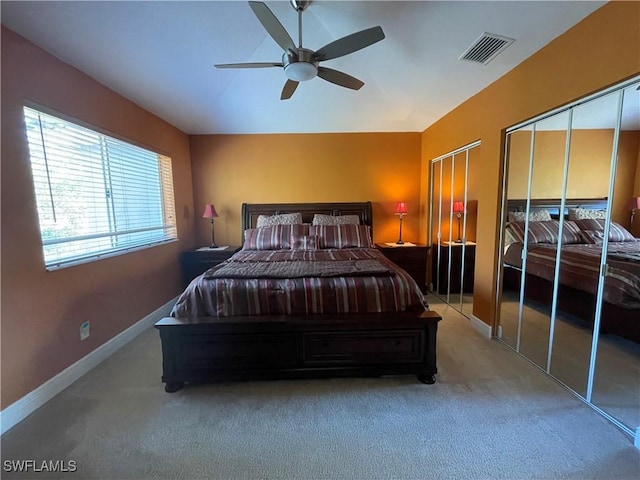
[231,169]
[600,51]
[42,311]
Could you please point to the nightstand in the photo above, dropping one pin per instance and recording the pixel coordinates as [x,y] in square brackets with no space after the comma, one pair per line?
[411,258]
[195,262]
[455,249]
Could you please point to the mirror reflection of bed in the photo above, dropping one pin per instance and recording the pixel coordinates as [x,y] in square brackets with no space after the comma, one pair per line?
[569,155]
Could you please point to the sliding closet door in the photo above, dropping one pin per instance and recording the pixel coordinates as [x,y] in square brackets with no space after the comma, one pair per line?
[435,218]
[616,383]
[570,301]
[453,214]
[546,182]
[516,186]
[590,151]
[457,246]
[469,226]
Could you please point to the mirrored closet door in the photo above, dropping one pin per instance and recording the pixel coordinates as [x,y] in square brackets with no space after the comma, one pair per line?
[453,213]
[569,271]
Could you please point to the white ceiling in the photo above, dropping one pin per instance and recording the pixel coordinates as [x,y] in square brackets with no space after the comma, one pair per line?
[160,55]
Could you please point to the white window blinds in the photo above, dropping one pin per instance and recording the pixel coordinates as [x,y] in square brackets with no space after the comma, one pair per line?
[96,195]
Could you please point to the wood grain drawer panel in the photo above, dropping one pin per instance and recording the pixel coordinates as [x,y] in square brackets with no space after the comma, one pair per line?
[346,348]
[218,352]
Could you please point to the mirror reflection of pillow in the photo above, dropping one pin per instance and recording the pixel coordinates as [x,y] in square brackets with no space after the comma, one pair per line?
[541,215]
[617,233]
[586,213]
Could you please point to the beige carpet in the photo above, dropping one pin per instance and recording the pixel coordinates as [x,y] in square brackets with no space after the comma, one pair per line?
[490,415]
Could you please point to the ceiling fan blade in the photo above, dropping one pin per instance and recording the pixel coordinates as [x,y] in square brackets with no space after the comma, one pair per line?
[248,65]
[288,89]
[272,25]
[349,44]
[339,78]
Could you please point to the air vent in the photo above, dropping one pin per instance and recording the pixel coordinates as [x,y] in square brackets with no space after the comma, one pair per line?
[485,48]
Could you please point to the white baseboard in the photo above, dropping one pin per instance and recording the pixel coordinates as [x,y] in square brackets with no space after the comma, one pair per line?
[480,326]
[20,409]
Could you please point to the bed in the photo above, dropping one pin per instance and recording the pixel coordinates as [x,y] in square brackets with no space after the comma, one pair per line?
[579,265]
[300,301]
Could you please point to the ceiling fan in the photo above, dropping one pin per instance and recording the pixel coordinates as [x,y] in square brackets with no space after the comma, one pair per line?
[301,64]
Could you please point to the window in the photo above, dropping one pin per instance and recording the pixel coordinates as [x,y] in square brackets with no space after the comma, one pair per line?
[96,195]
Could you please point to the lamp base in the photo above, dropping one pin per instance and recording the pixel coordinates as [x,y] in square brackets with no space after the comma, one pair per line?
[399,242]
[459,240]
[213,245]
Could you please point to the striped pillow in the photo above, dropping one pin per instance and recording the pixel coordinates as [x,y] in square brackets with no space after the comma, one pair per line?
[342,236]
[274,237]
[591,227]
[547,232]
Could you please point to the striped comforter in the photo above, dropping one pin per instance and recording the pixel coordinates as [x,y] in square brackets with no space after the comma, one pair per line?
[580,265]
[384,288]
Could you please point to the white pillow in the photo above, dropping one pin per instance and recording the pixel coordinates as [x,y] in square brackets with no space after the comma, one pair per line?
[321,219]
[587,214]
[281,219]
[542,215]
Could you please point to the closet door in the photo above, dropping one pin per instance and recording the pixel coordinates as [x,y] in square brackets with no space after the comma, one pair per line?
[570,301]
[436,223]
[515,186]
[616,383]
[547,157]
[590,147]
[470,226]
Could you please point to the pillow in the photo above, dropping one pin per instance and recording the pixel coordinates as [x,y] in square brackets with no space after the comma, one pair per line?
[304,242]
[343,236]
[546,232]
[281,219]
[542,215]
[617,233]
[585,213]
[275,237]
[322,219]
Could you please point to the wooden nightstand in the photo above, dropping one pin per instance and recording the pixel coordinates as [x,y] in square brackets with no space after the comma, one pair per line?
[195,262]
[456,267]
[412,258]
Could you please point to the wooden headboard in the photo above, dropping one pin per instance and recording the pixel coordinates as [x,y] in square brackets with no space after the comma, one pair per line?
[553,205]
[250,211]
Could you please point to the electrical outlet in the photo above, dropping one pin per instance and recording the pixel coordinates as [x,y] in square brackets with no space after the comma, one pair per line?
[84,331]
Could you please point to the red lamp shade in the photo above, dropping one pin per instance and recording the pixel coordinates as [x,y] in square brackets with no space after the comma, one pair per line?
[401,208]
[209,211]
[458,207]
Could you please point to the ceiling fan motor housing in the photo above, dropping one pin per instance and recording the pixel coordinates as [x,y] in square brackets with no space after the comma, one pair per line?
[299,64]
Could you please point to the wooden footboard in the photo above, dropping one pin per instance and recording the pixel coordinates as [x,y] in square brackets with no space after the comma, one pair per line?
[207,349]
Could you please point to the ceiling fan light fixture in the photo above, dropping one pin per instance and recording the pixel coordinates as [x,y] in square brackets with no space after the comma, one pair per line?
[301,71]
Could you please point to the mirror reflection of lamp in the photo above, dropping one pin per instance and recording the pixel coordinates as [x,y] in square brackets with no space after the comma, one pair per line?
[210,212]
[458,209]
[401,211]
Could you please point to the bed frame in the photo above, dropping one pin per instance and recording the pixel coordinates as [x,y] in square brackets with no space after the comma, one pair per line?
[614,319]
[206,349]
